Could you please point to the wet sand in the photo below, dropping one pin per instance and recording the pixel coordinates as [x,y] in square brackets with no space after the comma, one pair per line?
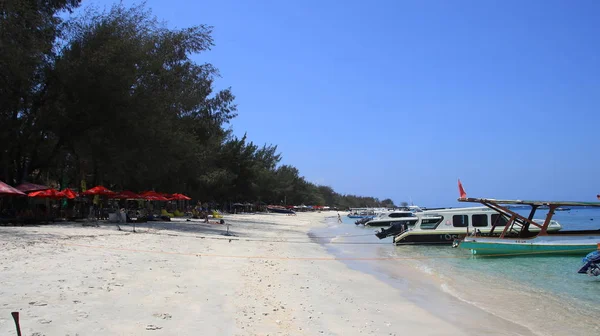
[186,278]
[478,302]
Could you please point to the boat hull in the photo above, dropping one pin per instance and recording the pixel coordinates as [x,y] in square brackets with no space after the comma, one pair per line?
[439,238]
[382,223]
[545,245]
[280,210]
[447,237]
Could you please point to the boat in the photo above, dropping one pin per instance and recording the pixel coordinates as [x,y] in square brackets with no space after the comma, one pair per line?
[363,220]
[563,209]
[444,226]
[361,213]
[518,237]
[279,209]
[591,264]
[392,217]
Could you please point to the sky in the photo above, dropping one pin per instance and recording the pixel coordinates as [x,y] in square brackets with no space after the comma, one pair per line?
[399,99]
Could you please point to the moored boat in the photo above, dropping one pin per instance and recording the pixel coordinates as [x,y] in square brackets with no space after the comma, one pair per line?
[550,244]
[518,238]
[391,218]
[444,226]
[279,209]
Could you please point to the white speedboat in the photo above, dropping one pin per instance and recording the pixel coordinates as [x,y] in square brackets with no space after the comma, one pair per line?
[394,217]
[446,225]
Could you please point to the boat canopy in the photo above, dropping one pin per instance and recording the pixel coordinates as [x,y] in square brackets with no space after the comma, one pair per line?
[524,222]
[532,203]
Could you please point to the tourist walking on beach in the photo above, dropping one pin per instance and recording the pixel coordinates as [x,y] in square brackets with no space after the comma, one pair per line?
[339,218]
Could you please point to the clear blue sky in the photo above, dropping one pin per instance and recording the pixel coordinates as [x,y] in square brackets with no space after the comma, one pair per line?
[400,98]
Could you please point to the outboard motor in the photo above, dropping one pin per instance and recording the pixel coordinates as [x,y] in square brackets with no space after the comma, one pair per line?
[591,265]
[393,230]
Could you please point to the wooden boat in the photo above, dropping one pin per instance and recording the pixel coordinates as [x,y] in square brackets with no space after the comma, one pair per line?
[517,238]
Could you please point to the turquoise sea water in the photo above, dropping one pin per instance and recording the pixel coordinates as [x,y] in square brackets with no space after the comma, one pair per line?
[552,277]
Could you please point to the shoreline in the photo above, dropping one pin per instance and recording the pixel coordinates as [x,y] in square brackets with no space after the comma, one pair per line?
[426,290]
[181,277]
[479,293]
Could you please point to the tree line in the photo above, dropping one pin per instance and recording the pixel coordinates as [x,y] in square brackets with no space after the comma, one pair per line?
[112,97]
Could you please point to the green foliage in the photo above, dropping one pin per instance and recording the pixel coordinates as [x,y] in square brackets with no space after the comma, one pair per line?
[28,32]
[388,203]
[113,97]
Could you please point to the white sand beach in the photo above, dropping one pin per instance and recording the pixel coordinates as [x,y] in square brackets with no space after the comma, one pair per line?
[186,278]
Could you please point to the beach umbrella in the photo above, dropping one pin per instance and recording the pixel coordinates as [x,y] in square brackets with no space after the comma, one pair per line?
[5,189]
[126,194]
[99,190]
[27,187]
[180,197]
[49,193]
[68,193]
[154,196]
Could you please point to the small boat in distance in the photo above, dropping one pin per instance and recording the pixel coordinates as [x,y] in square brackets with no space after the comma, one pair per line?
[279,209]
[361,213]
[392,217]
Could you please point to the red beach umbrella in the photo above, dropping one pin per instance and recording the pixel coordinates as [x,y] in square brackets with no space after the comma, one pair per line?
[99,190]
[154,196]
[68,193]
[5,189]
[180,197]
[50,193]
[31,187]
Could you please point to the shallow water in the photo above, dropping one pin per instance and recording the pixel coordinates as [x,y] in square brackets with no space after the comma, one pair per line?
[489,283]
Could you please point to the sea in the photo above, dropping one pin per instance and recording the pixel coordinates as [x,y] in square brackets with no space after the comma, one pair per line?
[540,292]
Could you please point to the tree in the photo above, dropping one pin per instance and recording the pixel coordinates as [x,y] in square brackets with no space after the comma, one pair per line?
[388,203]
[113,97]
[28,31]
[133,108]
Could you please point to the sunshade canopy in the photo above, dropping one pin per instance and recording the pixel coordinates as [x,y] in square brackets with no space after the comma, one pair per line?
[99,190]
[5,189]
[180,197]
[31,187]
[50,193]
[68,193]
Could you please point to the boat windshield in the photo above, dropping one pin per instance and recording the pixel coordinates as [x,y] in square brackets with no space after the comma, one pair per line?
[430,223]
[401,214]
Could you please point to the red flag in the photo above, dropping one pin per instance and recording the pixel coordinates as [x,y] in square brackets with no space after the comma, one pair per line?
[462,192]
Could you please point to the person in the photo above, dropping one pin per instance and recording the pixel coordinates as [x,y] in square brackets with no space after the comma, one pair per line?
[339,218]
